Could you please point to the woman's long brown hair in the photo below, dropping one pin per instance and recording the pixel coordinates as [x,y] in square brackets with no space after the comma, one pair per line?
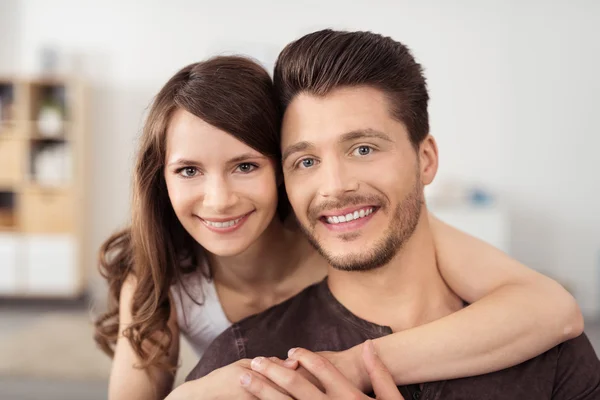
[232,93]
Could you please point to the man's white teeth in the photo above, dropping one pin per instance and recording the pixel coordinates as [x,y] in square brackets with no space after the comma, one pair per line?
[226,224]
[363,212]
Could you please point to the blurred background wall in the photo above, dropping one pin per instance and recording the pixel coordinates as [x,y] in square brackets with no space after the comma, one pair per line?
[514,86]
[9,21]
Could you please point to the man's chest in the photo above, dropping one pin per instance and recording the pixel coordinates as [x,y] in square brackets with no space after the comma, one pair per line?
[325,338]
[512,383]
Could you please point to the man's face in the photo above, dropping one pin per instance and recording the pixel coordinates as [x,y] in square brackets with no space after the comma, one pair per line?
[352,175]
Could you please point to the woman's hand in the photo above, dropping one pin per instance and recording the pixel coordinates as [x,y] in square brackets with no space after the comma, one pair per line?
[222,383]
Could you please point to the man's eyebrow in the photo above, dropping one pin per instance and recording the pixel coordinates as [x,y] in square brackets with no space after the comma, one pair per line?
[296,147]
[364,134]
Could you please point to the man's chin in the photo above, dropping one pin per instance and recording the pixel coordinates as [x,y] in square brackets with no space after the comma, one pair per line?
[352,261]
[351,253]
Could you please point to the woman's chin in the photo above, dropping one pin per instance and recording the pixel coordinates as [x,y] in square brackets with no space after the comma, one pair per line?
[225,249]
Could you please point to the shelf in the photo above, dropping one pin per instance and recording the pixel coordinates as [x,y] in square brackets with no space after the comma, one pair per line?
[44,295]
[7,188]
[8,129]
[35,134]
[8,217]
[8,229]
[11,131]
[28,130]
[41,188]
[6,79]
[13,136]
[40,138]
[49,98]
[32,186]
[5,122]
[12,153]
[51,80]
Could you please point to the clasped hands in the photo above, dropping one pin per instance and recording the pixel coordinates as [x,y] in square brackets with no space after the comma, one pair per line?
[314,376]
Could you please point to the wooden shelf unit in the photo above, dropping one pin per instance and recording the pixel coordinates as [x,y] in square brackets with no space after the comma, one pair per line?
[43,133]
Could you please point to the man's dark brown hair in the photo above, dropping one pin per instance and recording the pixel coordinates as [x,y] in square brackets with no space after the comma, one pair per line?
[325,60]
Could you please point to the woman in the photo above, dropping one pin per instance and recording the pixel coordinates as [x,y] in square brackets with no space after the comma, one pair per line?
[211,243]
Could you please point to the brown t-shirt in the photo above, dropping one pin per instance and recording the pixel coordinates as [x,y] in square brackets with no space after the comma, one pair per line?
[315,320]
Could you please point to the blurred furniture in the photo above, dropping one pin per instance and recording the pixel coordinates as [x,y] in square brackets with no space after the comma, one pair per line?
[42,181]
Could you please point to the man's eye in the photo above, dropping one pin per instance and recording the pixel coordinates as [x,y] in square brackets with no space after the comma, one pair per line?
[307,163]
[362,151]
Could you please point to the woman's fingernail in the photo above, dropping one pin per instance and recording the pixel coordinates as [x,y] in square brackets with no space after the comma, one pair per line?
[292,351]
[257,363]
[245,379]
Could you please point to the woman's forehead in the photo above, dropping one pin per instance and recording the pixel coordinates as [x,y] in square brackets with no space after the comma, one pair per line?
[193,138]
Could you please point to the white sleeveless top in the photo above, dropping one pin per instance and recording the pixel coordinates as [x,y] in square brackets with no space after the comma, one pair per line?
[200,323]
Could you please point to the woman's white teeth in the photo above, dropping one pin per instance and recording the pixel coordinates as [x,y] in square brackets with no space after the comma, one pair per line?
[363,212]
[225,224]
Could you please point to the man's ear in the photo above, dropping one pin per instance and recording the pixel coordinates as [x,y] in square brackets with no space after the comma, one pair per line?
[428,157]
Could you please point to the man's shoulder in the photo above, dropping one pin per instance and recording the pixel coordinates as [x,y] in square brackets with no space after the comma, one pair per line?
[267,332]
[221,352]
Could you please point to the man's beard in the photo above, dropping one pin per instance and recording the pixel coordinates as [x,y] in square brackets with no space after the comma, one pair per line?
[403,224]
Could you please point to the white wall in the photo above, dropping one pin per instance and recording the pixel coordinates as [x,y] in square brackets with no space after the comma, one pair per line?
[9,33]
[514,88]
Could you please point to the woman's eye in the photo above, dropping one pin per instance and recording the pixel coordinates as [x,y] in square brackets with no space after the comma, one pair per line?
[246,167]
[362,151]
[188,172]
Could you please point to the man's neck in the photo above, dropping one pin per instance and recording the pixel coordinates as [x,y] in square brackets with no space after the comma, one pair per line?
[407,292]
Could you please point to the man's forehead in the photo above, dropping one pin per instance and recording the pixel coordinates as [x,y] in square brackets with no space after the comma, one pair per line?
[339,111]
[318,121]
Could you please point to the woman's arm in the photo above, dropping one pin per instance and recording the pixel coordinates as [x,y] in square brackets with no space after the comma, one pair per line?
[126,381]
[515,314]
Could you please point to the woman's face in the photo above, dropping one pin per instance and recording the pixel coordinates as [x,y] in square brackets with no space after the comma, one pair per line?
[223,191]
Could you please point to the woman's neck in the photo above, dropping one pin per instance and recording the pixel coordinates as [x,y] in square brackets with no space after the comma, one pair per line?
[266,263]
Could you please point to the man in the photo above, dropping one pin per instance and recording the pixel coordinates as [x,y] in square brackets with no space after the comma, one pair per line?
[356,156]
